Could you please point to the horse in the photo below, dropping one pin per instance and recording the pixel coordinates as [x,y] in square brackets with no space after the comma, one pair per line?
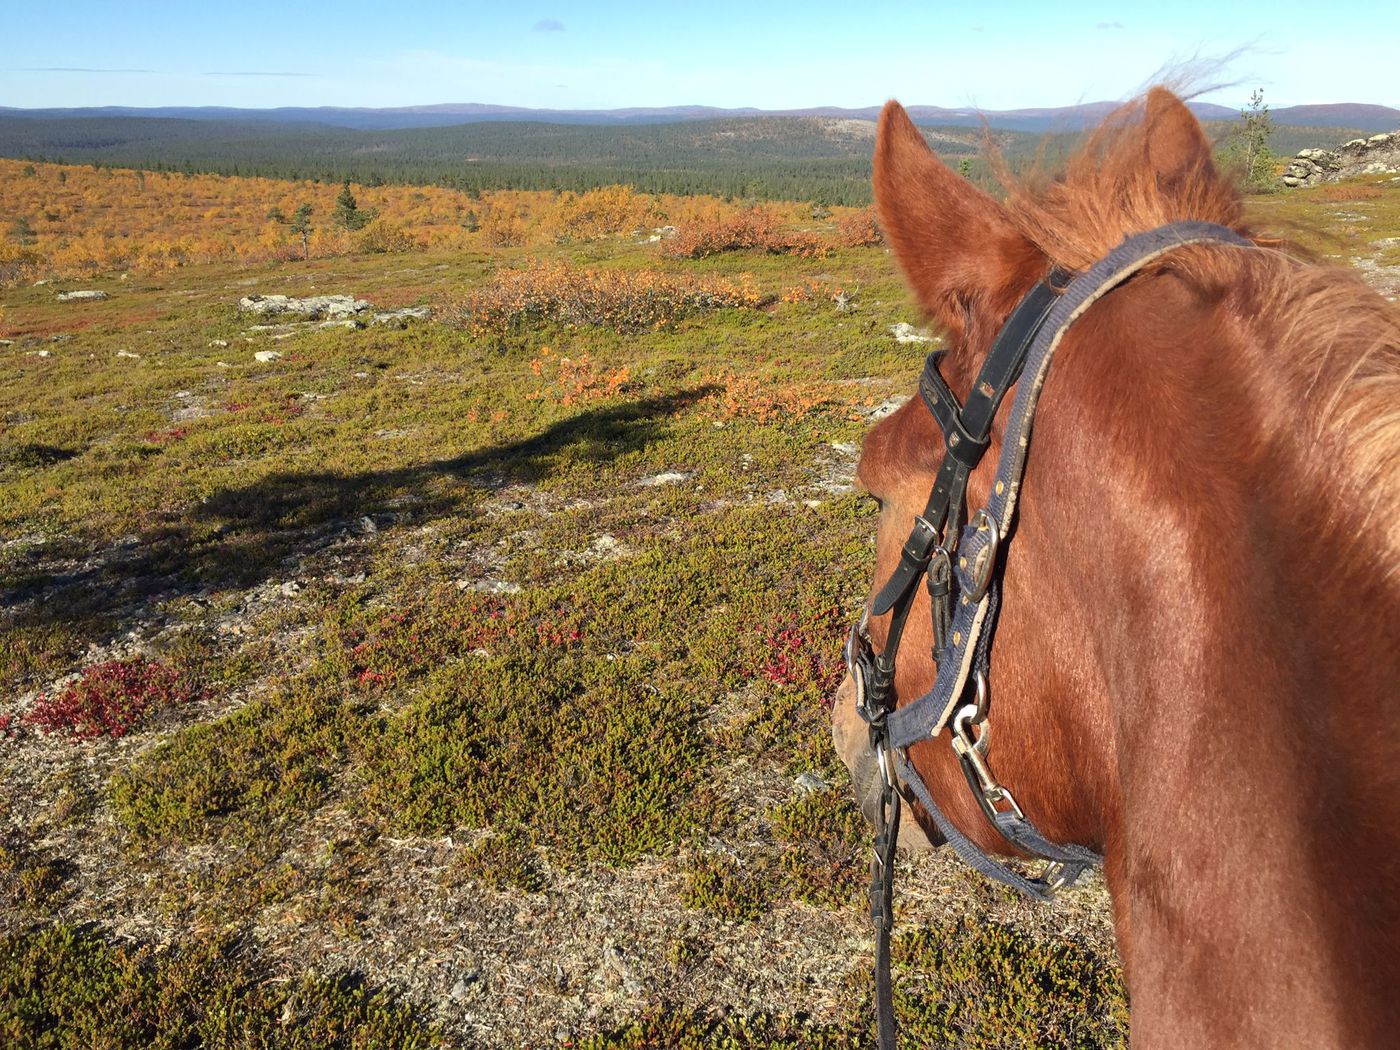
[1195,669]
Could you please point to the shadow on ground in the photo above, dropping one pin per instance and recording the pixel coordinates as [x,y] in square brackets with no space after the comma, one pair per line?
[241,537]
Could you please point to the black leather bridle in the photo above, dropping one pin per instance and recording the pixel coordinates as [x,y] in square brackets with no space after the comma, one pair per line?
[960,567]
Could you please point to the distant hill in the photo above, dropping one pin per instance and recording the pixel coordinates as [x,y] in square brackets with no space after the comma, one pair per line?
[823,157]
[1361,116]
[801,158]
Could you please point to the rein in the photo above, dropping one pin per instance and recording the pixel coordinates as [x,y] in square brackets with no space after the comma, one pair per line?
[960,566]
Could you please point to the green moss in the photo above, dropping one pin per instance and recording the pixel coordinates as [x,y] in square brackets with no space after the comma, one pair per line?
[685,1030]
[31,881]
[501,862]
[62,988]
[733,889]
[978,982]
[267,762]
[970,982]
[826,845]
[577,754]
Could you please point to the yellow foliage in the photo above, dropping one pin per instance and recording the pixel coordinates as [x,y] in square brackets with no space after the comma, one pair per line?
[384,235]
[84,221]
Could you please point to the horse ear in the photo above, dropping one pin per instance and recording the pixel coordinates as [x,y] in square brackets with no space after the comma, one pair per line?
[956,245]
[1177,147]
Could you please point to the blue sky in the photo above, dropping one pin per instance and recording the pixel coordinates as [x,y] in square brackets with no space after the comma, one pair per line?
[995,54]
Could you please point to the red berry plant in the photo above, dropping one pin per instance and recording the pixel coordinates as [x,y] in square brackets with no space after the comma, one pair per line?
[806,654]
[109,699]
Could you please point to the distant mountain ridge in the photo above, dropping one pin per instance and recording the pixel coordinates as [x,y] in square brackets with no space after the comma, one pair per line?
[1064,118]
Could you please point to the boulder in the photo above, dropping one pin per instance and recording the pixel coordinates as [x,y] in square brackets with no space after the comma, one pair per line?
[1377,155]
[904,332]
[331,310]
[88,296]
[310,308]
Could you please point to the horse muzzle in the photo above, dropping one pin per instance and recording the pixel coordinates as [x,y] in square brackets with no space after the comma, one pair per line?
[851,736]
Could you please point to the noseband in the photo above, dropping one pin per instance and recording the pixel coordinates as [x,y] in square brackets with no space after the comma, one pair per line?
[961,566]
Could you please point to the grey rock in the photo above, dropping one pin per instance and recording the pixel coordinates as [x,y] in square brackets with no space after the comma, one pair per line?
[465,986]
[1377,155]
[810,784]
[904,332]
[310,308]
[885,408]
[670,477]
[266,356]
[87,296]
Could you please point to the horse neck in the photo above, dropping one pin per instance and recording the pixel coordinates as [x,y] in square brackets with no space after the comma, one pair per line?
[1248,678]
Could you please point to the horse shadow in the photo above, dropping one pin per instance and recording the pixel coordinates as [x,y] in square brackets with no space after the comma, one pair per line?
[243,536]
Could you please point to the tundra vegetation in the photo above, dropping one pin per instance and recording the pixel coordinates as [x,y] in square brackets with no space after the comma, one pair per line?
[464,683]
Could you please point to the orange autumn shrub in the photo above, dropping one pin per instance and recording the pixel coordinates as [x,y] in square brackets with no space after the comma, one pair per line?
[745,397]
[577,380]
[604,212]
[624,300]
[860,229]
[384,236]
[754,228]
[77,220]
[1342,192]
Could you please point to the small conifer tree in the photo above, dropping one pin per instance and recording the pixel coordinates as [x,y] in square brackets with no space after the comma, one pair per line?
[348,215]
[301,224]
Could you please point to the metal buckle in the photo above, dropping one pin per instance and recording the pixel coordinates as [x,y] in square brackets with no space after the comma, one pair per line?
[985,562]
[860,665]
[971,749]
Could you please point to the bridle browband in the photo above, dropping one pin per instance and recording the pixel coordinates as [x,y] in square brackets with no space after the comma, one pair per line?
[960,565]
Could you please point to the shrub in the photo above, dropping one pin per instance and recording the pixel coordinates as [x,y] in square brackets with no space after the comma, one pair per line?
[110,699]
[578,379]
[503,226]
[602,212]
[827,843]
[550,749]
[860,229]
[756,228]
[624,300]
[383,236]
[1341,192]
[977,982]
[17,263]
[748,397]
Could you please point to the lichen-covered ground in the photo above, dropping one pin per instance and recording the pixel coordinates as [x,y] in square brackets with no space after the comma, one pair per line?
[472,693]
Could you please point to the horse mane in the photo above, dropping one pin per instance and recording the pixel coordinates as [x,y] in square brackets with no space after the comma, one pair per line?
[1329,339]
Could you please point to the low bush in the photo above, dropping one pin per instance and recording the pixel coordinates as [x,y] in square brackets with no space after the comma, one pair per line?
[860,229]
[110,699]
[382,236]
[759,229]
[623,300]
[66,989]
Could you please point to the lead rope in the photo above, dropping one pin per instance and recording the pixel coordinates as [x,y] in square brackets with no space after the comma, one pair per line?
[882,903]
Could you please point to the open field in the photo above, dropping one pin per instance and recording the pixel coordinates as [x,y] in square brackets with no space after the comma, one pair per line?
[463,683]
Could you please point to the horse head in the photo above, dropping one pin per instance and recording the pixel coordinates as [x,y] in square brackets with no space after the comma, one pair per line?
[1196,664]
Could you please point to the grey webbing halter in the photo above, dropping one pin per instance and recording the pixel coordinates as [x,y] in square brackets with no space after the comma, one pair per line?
[970,586]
